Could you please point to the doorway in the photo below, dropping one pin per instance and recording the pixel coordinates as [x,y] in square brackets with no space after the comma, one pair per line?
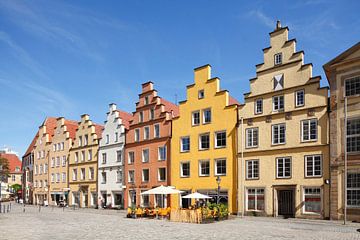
[286,203]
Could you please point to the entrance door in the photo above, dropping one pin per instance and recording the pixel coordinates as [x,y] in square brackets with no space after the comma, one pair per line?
[286,203]
[85,199]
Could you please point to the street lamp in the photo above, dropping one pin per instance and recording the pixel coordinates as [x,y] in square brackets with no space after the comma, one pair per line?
[218,181]
[1,169]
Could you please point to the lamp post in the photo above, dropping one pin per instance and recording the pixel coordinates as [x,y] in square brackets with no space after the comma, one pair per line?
[1,169]
[218,181]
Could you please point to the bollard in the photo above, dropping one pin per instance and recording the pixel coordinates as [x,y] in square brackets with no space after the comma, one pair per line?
[63,208]
[24,208]
[4,209]
[39,208]
[8,208]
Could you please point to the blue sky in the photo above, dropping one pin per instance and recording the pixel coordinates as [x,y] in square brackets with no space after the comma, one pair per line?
[66,58]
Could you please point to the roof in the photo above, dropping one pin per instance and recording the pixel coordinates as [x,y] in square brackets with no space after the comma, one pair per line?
[50,123]
[233,101]
[32,145]
[98,130]
[169,106]
[71,127]
[125,117]
[13,160]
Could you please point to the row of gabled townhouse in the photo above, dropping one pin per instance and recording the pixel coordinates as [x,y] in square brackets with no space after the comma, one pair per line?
[280,153]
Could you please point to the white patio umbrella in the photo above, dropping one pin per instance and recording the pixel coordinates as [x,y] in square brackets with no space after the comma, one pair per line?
[197,195]
[162,190]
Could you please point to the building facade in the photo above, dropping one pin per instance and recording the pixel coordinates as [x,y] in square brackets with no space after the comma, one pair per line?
[283,136]
[15,173]
[27,167]
[41,161]
[61,144]
[147,149]
[343,74]
[83,164]
[203,144]
[111,158]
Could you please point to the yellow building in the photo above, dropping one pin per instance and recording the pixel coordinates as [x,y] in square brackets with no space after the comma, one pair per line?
[62,140]
[203,144]
[283,136]
[83,164]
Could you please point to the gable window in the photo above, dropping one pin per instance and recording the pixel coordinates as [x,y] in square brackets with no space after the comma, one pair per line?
[80,141]
[156,131]
[309,130]
[74,176]
[313,166]
[252,169]
[283,167]
[141,117]
[86,139]
[258,106]
[278,103]
[278,59]
[185,169]
[146,100]
[185,144]
[90,155]
[82,156]
[312,200]
[255,199]
[131,176]
[206,116]
[162,153]
[278,134]
[76,158]
[220,167]
[300,98]
[104,158]
[353,189]
[131,157]
[118,155]
[352,86]
[82,173]
[145,175]
[196,118]
[204,141]
[116,137]
[220,139]
[107,138]
[201,94]
[146,133]
[137,135]
[353,135]
[152,113]
[204,168]
[162,174]
[145,155]
[252,137]
[91,173]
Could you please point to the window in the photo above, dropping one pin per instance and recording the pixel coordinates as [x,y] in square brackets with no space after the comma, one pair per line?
[137,135]
[36,169]
[220,167]
[278,82]
[57,161]
[141,117]
[161,174]
[90,155]
[45,168]
[107,138]
[313,166]
[145,199]
[145,175]
[258,106]
[152,113]
[353,135]
[312,200]
[91,173]
[86,139]
[54,147]
[146,133]
[118,156]
[309,130]
[45,183]
[13,177]
[283,169]
[252,169]
[220,139]
[131,157]
[53,177]
[255,199]
[252,137]
[74,177]
[353,189]
[300,98]
[53,162]
[201,94]
[80,141]
[196,118]
[63,161]
[63,177]
[204,141]
[206,116]
[185,144]
[82,173]
[185,169]
[116,137]
[278,59]
[145,155]
[41,169]
[156,131]
[278,103]
[104,158]
[146,100]
[62,145]
[162,153]
[278,134]
[352,86]
[131,176]
[118,176]
[103,177]
[58,177]
[76,157]
[82,156]
[204,168]
[41,183]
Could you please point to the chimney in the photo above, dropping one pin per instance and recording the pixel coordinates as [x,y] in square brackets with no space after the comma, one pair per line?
[278,25]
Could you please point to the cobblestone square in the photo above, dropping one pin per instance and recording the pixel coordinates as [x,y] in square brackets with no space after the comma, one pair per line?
[56,223]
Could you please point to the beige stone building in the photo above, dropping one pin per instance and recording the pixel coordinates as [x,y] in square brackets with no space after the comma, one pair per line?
[61,144]
[83,164]
[283,136]
[41,161]
[343,73]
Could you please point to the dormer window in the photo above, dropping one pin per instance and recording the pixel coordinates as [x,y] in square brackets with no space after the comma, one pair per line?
[146,100]
[278,59]
[201,94]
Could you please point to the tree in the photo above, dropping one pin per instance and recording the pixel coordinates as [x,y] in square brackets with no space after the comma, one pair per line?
[16,187]
[4,168]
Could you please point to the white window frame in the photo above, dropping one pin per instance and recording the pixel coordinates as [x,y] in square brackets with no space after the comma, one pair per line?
[182,145]
[156,132]
[146,133]
[203,114]
[200,167]
[309,121]
[143,156]
[201,94]
[278,98]
[297,99]
[131,160]
[82,174]
[129,178]
[91,173]
[193,118]
[74,174]
[103,178]
[137,135]
[256,194]
[252,162]
[142,175]
[216,166]
[152,113]
[200,143]
[162,180]
[216,138]
[350,136]
[104,158]
[307,157]
[181,169]
[279,132]
[284,162]
[159,153]
[352,189]
[256,107]
[250,133]
[278,59]
[355,78]
[303,200]
[141,117]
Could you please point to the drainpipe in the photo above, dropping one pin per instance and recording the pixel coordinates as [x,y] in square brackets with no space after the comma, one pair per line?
[242,167]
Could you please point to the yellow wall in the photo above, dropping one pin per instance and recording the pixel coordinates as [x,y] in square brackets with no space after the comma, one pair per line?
[224,117]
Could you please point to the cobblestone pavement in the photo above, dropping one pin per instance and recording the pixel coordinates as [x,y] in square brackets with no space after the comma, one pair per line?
[56,223]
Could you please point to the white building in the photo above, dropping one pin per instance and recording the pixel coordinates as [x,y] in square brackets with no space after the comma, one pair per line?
[111,158]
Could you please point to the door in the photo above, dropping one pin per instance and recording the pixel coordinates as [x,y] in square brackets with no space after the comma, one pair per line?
[286,203]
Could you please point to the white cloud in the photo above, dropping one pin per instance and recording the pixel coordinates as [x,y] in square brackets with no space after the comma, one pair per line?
[263,18]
